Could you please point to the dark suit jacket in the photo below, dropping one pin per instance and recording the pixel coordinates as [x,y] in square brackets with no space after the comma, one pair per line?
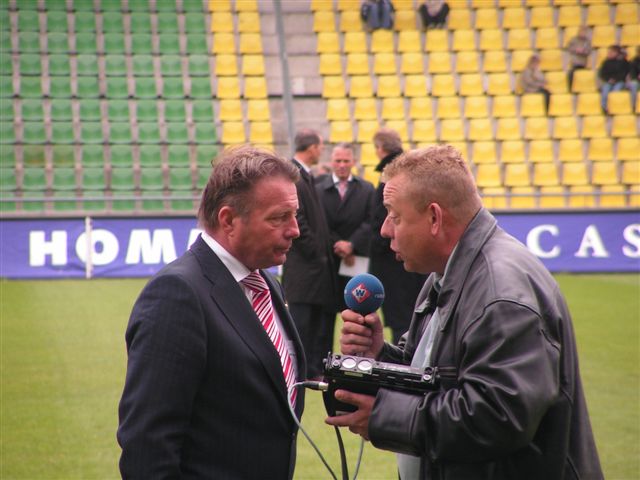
[308,275]
[204,395]
[349,218]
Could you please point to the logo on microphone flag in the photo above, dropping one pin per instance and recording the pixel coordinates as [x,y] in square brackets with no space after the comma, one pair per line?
[360,293]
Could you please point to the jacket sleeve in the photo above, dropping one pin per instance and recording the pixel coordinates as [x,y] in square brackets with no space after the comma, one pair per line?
[166,343]
[307,243]
[361,237]
[507,378]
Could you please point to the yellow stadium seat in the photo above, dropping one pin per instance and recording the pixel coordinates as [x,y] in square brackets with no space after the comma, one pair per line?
[545,174]
[536,128]
[604,173]
[382,41]
[480,129]
[253,65]
[393,108]
[491,39]
[250,43]
[565,127]
[627,14]
[368,155]
[218,6]
[612,196]
[512,151]
[365,109]
[569,16]
[409,41]
[246,5]
[357,64]
[494,198]
[575,173]
[488,175]
[540,151]
[508,128]
[517,175]
[330,64]
[223,43]
[629,34]
[631,173]
[551,59]
[598,14]
[366,130]
[399,126]
[584,81]
[226,65]
[603,35]
[476,107]
[337,109]
[260,133]
[484,152]
[463,40]
[327,42]
[601,150]
[624,126]
[388,86]
[547,37]
[323,21]
[355,42]
[348,5]
[258,109]
[255,87]
[442,86]
[619,103]
[412,63]
[551,197]
[333,86]
[532,105]
[471,84]
[561,104]
[405,20]
[519,39]
[519,59]
[420,108]
[494,61]
[321,5]
[221,22]
[424,130]
[504,106]
[556,82]
[436,41]
[451,130]
[415,86]
[230,109]
[350,21]
[499,84]
[439,62]
[340,131]
[448,107]
[541,17]
[634,196]
[486,18]
[233,133]
[582,196]
[248,22]
[228,87]
[360,86]
[594,126]
[459,19]
[628,148]
[588,104]
[514,17]
[467,62]
[570,150]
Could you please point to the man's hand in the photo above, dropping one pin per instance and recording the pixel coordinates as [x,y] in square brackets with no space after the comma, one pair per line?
[358,421]
[361,335]
[343,248]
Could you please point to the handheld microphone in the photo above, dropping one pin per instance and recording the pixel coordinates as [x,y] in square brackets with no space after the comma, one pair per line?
[364,294]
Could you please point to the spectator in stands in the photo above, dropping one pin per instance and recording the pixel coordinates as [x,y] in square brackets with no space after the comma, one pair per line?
[401,287]
[433,13]
[532,79]
[579,48]
[377,14]
[612,73]
[308,273]
[634,78]
[348,205]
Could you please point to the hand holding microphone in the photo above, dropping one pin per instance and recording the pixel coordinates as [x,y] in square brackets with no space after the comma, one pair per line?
[362,332]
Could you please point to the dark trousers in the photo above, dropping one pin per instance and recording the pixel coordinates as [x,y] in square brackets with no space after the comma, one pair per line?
[315,326]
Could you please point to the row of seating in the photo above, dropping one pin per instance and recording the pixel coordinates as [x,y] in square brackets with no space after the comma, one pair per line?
[342,5]
[144,6]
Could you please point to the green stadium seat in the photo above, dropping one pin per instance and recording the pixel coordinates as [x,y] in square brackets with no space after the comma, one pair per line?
[91,132]
[34,179]
[62,133]
[29,42]
[169,44]
[7,156]
[113,44]
[167,22]
[90,110]
[33,156]
[93,200]
[142,65]
[115,65]
[145,87]
[30,64]
[146,111]
[171,65]
[148,132]
[203,177]
[117,87]
[152,201]
[62,155]
[122,179]
[168,6]
[173,87]
[28,20]
[138,6]
[59,87]
[200,87]
[120,132]
[179,201]
[140,22]
[178,156]
[205,154]
[33,201]
[194,22]
[205,133]
[177,133]
[88,87]
[199,65]
[7,133]
[58,42]
[87,65]
[202,111]
[150,156]
[59,65]
[7,113]
[31,110]
[174,111]
[86,43]
[118,110]
[34,133]
[141,44]
[121,156]
[180,179]
[151,179]
[7,179]
[197,43]
[112,22]
[91,156]
[6,86]
[123,201]
[6,65]
[57,21]
[64,179]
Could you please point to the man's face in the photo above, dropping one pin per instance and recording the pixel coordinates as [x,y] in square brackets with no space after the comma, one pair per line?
[263,238]
[407,228]
[342,162]
[316,151]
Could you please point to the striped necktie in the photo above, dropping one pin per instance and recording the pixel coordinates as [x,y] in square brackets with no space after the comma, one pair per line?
[261,303]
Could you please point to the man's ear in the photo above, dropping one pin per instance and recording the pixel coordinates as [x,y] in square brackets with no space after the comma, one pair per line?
[226,217]
[435,216]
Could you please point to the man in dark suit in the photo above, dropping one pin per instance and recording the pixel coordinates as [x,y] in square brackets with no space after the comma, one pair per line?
[308,274]
[207,391]
[348,205]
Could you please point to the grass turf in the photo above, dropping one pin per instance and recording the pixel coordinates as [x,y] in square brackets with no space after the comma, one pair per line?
[62,365]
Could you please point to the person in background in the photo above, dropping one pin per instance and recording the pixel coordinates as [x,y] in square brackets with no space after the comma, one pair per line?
[433,13]
[532,80]
[491,321]
[377,14]
[634,78]
[209,376]
[401,287]
[348,205]
[579,49]
[613,73]
[308,274]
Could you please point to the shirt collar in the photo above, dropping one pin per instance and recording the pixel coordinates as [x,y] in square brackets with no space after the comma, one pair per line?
[336,180]
[235,266]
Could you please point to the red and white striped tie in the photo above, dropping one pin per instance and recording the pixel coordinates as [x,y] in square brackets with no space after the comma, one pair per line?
[261,303]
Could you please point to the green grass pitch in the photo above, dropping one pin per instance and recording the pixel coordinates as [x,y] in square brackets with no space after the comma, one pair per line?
[63,360]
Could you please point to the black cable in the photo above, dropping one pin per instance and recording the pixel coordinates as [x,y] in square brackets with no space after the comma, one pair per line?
[343,455]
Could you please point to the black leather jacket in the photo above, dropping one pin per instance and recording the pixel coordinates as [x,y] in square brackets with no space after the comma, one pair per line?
[515,409]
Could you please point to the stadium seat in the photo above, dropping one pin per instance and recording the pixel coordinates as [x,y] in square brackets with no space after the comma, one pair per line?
[480,129]
[327,42]
[437,41]
[491,39]
[337,109]
[556,82]
[257,110]
[519,59]
[250,43]
[463,40]
[459,19]
[253,65]
[517,39]
[223,43]
[545,174]
[600,150]
[174,111]
[624,126]
[357,64]
[508,129]
[514,17]
[504,106]
[628,148]
[619,103]
[233,133]
[412,63]
[404,20]
[467,62]
[361,86]
[476,107]
[604,173]
[598,14]
[594,126]
[581,196]
[333,86]
[226,65]
[330,64]
[366,130]
[471,84]
[570,150]
[629,34]
[388,86]
[354,42]
[565,127]
[415,86]
[551,197]
[420,108]
[442,86]
[424,130]
[561,104]
[541,16]
[512,151]
[399,126]
[486,18]
[569,16]
[439,62]
[551,60]
[350,21]
[393,108]
[516,175]
[365,108]
[540,151]
[584,81]
[451,130]
[494,61]
[176,133]
[260,132]
[382,41]
[612,196]
[409,41]
[498,84]
[484,152]
[532,105]
[448,107]
[631,173]
[488,175]
[227,87]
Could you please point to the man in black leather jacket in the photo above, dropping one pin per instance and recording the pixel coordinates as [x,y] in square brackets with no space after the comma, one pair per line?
[491,313]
